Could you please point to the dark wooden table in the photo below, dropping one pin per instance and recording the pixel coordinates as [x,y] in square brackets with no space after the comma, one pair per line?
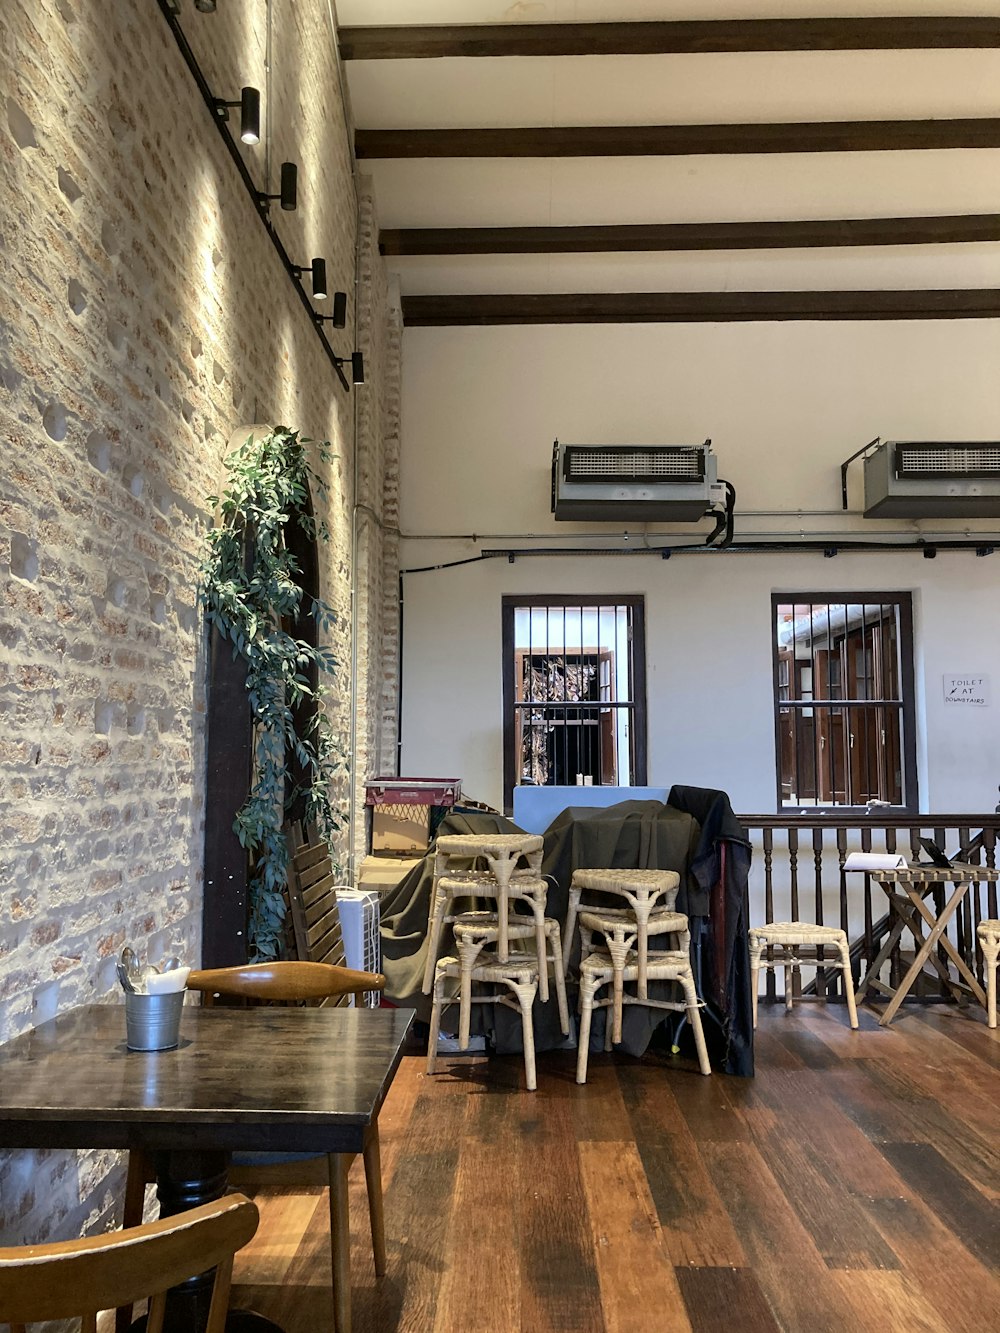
[913,913]
[290,1080]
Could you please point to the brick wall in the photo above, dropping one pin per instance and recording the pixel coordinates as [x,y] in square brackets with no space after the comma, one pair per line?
[144,316]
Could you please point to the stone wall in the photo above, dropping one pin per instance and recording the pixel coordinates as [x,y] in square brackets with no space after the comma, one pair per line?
[144,316]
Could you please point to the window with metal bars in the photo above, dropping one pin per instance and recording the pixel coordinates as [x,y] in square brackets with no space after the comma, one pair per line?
[843,699]
[574,691]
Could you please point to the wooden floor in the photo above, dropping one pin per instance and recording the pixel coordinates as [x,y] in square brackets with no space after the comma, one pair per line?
[852,1185]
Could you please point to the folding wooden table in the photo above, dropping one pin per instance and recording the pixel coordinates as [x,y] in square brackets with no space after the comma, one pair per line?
[905,889]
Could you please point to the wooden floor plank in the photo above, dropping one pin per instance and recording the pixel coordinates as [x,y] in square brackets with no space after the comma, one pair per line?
[695,1227]
[889,1302]
[478,1293]
[638,1286]
[797,1284]
[555,1236]
[974,1219]
[725,1298]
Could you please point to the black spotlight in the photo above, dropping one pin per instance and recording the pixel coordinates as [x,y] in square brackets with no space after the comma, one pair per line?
[357,366]
[339,317]
[930,552]
[829,552]
[984,550]
[318,270]
[249,105]
[288,192]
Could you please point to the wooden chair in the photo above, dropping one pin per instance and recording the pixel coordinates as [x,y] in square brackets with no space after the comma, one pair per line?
[285,982]
[75,1279]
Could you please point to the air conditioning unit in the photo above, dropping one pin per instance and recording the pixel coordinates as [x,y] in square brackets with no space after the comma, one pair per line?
[359,922]
[638,483]
[921,480]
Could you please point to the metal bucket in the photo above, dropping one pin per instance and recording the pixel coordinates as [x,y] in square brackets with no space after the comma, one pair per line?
[153,1022]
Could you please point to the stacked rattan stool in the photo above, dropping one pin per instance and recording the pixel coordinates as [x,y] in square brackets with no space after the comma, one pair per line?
[502,881]
[519,973]
[643,891]
[988,933]
[795,944]
[597,969]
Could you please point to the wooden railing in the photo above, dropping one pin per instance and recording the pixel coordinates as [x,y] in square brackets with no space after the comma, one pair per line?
[798,875]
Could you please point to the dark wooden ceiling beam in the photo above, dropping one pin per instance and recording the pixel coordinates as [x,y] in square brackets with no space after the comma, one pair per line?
[697,307]
[667,38]
[690,236]
[675,140]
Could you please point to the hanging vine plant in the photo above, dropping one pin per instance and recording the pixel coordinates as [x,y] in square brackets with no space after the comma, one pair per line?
[251,589]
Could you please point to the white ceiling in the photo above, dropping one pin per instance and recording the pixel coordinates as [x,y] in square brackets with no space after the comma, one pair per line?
[678,89]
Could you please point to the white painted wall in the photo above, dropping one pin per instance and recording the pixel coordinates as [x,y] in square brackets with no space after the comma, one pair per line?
[784,404]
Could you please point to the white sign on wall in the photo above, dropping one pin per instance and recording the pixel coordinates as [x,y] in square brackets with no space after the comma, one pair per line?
[969,690]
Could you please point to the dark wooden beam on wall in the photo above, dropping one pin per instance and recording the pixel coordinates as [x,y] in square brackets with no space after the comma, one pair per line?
[697,307]
[838,136]
[667,38]
[690,236]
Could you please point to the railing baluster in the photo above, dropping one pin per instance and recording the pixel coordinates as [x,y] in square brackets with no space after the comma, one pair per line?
[817,842]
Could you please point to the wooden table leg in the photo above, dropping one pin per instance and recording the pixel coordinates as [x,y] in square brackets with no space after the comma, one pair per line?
[949,948]
[917,966]
[871,976]
[340,1242]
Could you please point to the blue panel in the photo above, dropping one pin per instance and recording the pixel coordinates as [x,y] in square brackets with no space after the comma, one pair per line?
[536,807]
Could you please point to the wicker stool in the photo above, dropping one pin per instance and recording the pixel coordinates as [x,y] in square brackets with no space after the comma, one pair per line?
[989,942]
[524,886]
[641,889]
[501,852]
[620,930]
[475,930]
[788,937]
[519,973]
[597,969]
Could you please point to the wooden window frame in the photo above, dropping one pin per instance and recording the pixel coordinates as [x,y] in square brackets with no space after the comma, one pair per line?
[636,603]
[903,602]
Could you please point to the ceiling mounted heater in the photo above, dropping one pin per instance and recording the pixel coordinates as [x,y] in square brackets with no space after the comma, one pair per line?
[658,483]
[932,480]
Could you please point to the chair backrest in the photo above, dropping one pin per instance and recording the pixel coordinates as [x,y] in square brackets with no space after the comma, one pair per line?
[284,981]
[311,888]
[75,1279]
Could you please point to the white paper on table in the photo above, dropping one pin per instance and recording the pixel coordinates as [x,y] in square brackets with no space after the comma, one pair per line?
[875,861]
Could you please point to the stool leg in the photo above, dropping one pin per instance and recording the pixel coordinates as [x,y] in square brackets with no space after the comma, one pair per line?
[991,951]
[588,985]
[571,913]
[435,1029]
[468,951]
[540,945]
[502,868]
[848,981]
[790,969]
[434,929]
[552,929]
[694,1018]
[619,950]
[642,910]
[525,992]
[756,948]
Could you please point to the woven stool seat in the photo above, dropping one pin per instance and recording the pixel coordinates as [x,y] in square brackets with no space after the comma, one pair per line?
[988,933]
[788,941]
[627,880]
[475,930]
[495,846]
[501,852]
[598,968]
[519,973]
